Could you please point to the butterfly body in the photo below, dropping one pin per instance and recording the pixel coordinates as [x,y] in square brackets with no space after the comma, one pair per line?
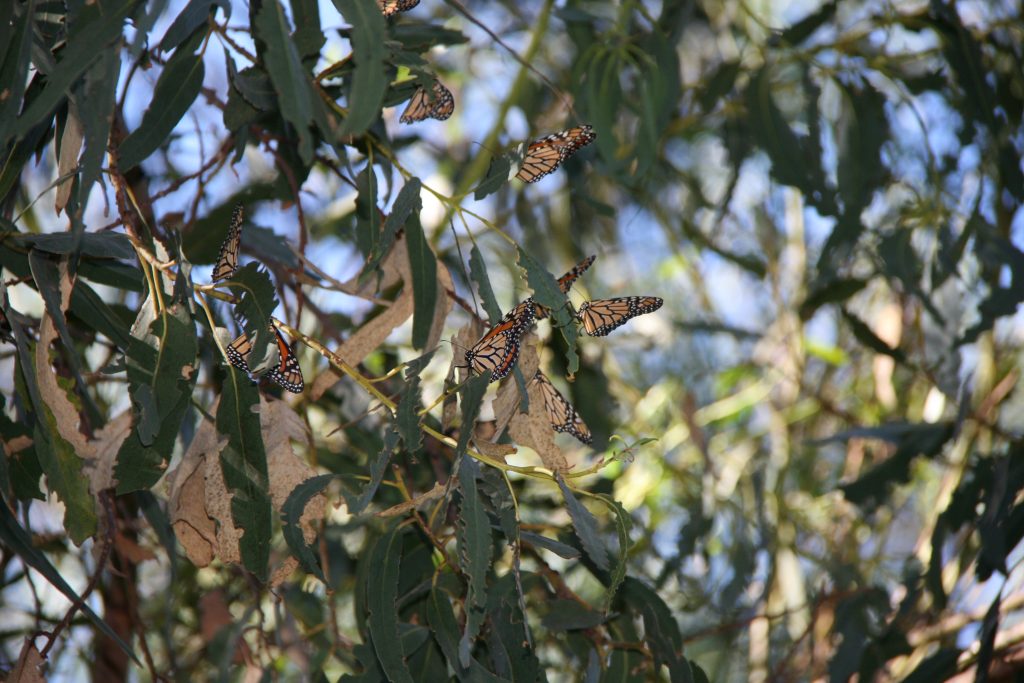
[288,374]
[422,105]
[601,316]
[545,155]
[498,350]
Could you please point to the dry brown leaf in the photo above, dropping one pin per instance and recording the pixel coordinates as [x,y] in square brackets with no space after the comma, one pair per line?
[499,451]
[100,468]
[194,523]
[534,430]
[372,334]
[29,668]
[214,616]
[402,508]
[131,550]
[280,426]
[64,412]
[506,404]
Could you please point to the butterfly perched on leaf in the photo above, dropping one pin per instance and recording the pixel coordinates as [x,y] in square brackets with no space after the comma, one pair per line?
[498,350]
[437,104]
[566,282]
[561,414]
[546,154]
[391,7]
[287,373]
[601,316]
[227,261]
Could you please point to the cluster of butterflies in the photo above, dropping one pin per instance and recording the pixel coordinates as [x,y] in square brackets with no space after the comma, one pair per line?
[497,351]
[288,374]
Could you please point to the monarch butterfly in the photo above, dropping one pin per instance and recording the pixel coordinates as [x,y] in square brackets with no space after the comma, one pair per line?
[390,7]
[601,316]
[545,155]
[287,373]
[562,415]
[565,283]
[438,105]
[498,350]
[227,261]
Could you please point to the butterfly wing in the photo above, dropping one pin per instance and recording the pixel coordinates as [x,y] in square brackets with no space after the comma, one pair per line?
[439,105]
[227,261]
[561,413]
[601,316]
[546,154]
[391,7]
[498,350]
[238,353]
[287,373]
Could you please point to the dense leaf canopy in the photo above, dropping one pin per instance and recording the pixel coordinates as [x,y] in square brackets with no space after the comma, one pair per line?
[245,442]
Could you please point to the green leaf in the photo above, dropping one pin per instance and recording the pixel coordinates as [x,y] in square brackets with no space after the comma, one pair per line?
[377,469]
[195,14]
[407,203]
[90,307]
[243,462]
[382,597]
[257,303]
[176,89]
[407,419]
[497,177]
[547,293]
[866,336]
[103,245]
[829,292]
[912,440]
[20,543]
[478,272]
[445,628]
[474,545]
[510,642]
[623,524]
[308,36]
[472,396]
[625,667]
[368,226]
[802,30]
[368,52]
[585,524]
[291,80]
[14,66]
[661,632]
[423,267]
[861,168]
[719,84]
[566,615]
[421,37]
[291,515]
[938,667]
[162,372]
[90,42]
[561,549]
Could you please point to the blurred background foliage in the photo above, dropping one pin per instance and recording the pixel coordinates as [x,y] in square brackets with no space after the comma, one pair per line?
[827,196]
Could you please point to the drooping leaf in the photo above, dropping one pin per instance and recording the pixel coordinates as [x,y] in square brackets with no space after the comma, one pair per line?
[478,272]
[661,631]
[368,52]
[382,598]
[162,372]
[423,266]
[14,66]
[497,176]
[291,80]
[243,462]
[368,216]
[195,14]
[474,547]
[565,615]
[257,303]
[356,504]
[407,203]
[546,292]
[585,524]
[407,419]
[291,516]
[175,91]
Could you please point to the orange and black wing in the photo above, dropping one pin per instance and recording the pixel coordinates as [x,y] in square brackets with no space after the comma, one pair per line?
[498,350]
[390,7]
[227,261]
[238,353]
[546,154]
[561,414]
[287,373]
[422,105]
[601,316]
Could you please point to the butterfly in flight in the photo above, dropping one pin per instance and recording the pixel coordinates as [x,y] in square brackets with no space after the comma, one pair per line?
[601,316]
[227,261]
[565,283]
[422,105]
[498,350]
[287,373]
[546,154]
[391,7]
[561,414]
